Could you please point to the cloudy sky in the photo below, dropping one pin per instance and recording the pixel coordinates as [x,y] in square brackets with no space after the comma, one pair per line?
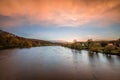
[61,19]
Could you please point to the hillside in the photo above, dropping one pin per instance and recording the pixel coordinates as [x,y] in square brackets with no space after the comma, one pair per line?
[9,40]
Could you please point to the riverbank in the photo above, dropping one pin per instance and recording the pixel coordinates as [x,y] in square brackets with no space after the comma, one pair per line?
[9,40]
[95,47]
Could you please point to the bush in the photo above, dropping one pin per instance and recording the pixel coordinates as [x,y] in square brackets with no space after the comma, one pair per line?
[108,49]
[27,44]
[96,47]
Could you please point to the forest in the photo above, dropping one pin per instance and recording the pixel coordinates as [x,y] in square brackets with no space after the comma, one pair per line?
[8,40]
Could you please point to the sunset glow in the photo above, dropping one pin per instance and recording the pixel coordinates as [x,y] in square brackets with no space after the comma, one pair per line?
[61,19]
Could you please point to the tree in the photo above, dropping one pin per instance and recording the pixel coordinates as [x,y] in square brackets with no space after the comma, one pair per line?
[13,42]
[96,47]
[3,39]
[27,44]
[108,49]
[89,43]
[103,43]
[118,43]
[74,41]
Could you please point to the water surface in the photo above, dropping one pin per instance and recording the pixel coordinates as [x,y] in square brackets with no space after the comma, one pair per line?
[57,63]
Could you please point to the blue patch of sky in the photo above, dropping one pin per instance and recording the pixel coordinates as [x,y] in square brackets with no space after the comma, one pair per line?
[55,33]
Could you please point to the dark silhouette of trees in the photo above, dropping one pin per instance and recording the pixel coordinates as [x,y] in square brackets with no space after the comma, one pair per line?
[103,43]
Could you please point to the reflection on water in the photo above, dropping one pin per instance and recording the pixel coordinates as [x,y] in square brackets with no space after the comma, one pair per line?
[57,63]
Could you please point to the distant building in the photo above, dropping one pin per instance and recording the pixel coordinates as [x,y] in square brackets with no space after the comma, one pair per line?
[110,44]
[11,35]
[82,44]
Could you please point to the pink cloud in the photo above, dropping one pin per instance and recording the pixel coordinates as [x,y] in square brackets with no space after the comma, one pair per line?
[61,12]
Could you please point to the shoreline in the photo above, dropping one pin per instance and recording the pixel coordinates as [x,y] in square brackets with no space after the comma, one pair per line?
[93,52]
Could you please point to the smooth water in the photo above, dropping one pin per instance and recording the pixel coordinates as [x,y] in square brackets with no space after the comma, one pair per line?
[57,63]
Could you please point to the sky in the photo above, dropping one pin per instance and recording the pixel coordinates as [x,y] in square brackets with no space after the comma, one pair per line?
[63,20]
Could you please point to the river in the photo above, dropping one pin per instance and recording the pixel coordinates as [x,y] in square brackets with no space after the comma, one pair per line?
[57,63]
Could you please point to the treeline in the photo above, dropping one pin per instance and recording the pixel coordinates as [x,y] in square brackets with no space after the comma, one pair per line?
[107,47]
[8,40]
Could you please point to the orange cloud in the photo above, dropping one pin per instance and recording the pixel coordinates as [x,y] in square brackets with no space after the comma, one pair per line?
[61,12]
